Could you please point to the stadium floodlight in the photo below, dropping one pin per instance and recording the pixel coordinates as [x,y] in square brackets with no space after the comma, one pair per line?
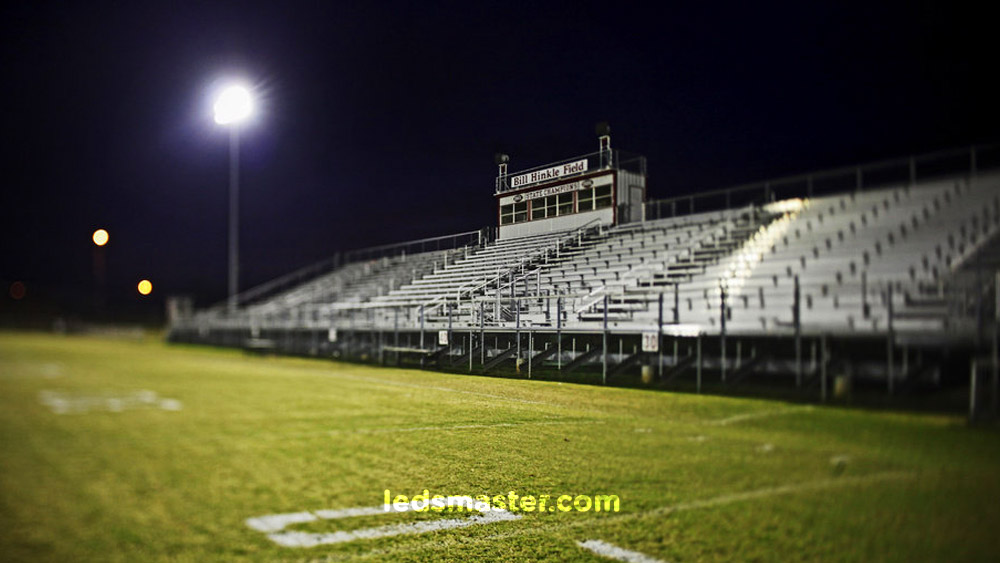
[232,107]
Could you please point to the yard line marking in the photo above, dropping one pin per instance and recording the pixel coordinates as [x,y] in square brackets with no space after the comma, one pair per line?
[274,524]
[756,415]
[277,522]
[722,500]
[777,491]
[66,403]
[611,551]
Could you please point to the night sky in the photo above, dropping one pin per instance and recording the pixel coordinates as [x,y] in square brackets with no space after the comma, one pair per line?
[378,121]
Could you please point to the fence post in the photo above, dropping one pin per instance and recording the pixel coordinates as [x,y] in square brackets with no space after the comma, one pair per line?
[698,362]
[996,347]
[824,358]
[517,331]
[865,309]
[888,344]
[559,333]
[972,390]
[531,350]
[677,303]
[604,340]
[797,323]
[659,341]
[722,329]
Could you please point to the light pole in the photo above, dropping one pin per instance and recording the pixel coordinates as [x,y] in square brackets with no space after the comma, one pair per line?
[100,238]
[233,106]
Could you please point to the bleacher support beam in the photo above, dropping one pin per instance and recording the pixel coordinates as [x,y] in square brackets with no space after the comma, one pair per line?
[495,360]
[628,362]
[580,360]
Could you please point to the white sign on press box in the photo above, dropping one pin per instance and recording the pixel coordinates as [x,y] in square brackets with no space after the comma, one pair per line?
[442,338]
[650,342]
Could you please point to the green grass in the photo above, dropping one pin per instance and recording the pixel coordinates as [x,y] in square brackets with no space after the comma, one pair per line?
[261,436]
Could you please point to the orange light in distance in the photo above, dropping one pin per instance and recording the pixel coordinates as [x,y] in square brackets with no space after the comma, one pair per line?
[17,290]
[100,237]
[145,287]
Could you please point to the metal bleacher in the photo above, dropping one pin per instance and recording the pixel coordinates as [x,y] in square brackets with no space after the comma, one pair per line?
[901,262]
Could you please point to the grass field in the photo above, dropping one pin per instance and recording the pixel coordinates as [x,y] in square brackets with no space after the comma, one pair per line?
[96,463]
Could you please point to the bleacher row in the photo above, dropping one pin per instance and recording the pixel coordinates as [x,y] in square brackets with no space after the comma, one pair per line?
[844,252]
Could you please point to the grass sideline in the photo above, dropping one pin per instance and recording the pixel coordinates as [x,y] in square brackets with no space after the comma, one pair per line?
[700,478]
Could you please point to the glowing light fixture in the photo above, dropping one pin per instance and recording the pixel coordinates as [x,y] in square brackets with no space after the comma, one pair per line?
[145,287]
[100,237]
[233,105]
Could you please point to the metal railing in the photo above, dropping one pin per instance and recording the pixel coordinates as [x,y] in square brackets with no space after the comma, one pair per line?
[969,161]
[447,242]
[469,290]
[906,170]
[430,244]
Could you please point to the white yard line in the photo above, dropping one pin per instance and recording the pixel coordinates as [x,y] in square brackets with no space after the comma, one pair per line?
[721,500]
[756,415]
[611,551]
[274,524]
[67,403]
[767,492]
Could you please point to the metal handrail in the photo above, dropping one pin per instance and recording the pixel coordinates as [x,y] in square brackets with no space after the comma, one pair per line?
[479,284]
[578,232]
[386,249]
[857,173]
[342,259]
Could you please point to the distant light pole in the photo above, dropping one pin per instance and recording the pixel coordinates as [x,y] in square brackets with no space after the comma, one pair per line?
[233,106]
[100,268]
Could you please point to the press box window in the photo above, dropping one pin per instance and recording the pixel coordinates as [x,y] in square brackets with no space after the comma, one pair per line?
[506,214]
[514,213]
[602,197]
[543,207]
[565,204]
[521,212]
